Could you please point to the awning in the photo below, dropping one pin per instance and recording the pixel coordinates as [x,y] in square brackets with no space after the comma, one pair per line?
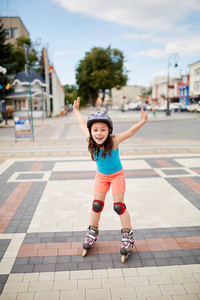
[26,94]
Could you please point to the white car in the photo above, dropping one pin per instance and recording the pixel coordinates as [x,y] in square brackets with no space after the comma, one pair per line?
[148,107]
[178,107]
[115,107]
[160,108]
[124,107]
[132,106]
[194,107]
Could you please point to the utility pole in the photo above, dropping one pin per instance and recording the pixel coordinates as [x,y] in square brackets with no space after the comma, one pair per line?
[3,71]
[173,57]
[26,49]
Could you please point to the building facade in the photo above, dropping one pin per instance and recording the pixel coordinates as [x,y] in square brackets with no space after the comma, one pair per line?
[194,85]
[162,90]
[44,104]
[14,28]
[57,91]
[127,94]
[20,97]
[184,90]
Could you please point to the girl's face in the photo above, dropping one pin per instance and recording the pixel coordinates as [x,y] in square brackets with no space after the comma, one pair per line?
[99,132]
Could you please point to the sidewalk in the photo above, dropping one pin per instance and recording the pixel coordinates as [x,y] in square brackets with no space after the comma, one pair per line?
[45,204]
[117,116]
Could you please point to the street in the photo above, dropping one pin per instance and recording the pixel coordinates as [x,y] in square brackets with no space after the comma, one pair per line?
[179,132]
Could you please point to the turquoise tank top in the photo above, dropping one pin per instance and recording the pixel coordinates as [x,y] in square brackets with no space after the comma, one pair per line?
[109,164]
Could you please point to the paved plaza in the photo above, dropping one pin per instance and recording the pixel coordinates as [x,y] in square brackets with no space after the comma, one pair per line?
[46,192]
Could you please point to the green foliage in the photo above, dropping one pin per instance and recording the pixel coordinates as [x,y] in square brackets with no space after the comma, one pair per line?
[23,40]
[5,60]
[5,51]
[69,88]
[100,69]
[18,55]
[13,58]
[71,93]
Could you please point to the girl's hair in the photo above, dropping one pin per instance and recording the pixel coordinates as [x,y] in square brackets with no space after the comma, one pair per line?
[94,149]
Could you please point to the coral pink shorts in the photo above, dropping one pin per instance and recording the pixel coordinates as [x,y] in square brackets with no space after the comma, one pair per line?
[115,180]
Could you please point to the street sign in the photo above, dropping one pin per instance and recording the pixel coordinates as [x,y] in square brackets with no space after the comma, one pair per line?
[22,127]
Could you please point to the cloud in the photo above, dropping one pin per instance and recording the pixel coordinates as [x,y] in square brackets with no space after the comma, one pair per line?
[184,45]
[155,15]
[137,36]
[154,52]
[160,27]
[187,46]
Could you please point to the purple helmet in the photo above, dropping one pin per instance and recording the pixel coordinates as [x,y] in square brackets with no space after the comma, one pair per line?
[100,117]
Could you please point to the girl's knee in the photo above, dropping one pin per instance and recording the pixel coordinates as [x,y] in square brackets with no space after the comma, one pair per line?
[119,208]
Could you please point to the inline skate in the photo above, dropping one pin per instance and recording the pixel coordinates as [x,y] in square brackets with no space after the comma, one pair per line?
[91,237]
[127,243]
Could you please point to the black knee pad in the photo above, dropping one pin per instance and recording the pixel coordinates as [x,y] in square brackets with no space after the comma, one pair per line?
[97,206]
[119,208]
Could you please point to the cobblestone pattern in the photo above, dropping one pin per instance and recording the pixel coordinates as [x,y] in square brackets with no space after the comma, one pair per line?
[165,261]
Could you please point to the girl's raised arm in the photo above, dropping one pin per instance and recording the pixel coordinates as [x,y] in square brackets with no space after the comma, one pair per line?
[79,117]
[131,131]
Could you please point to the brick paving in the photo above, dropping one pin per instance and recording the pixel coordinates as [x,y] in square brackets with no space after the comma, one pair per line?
[45,203]
[43,227]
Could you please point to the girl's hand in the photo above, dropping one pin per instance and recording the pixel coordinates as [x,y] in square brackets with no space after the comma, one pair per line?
[76,104]
[144,115]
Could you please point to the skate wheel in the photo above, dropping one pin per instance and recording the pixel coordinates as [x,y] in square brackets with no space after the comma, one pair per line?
[123,259]
[84,252]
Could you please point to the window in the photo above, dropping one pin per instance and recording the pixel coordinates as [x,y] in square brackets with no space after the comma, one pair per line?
[197,72]
[14,32]
[185,80]
[197,86]
[7,32]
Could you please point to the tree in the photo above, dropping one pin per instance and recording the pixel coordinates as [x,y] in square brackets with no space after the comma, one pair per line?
[71,93]
[13,58]
[100,69]
[18,55]
[5,51]
[5,61]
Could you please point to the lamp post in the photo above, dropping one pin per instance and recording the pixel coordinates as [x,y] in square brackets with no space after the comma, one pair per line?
[174,57]
[26,49]
[3,71]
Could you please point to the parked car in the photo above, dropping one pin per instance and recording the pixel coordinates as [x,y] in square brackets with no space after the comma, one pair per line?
[160,107]
[124,107]
[139,107]
[132,106]
[174,107]
[115,107]
[194,107]
[149,107]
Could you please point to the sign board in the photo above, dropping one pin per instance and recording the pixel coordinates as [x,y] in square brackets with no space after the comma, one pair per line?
[22,127]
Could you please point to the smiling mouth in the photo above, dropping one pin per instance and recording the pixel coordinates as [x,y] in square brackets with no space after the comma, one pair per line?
[99,141]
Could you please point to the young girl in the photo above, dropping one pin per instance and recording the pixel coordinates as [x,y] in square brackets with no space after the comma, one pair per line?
[103,148]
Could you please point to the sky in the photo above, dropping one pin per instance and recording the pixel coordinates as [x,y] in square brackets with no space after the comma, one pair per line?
[148,32]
